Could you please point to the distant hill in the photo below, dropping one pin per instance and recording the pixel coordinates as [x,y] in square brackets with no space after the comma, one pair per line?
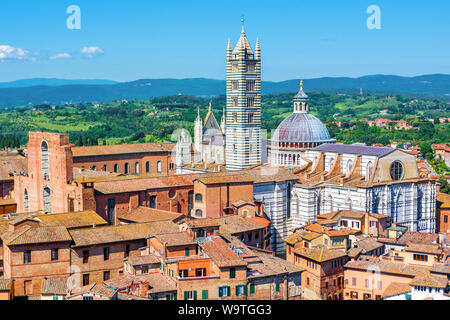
[51,82]
[59,92]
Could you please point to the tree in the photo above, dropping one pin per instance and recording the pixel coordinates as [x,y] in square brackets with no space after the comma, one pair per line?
[444,186]
[426,150]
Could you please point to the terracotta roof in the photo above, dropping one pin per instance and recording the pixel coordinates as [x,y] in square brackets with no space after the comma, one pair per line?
[423,248]
[142,260]
[9,165]
[96,288]
[418,237]
[268,265]
[144,183]
[5,284]
[79,173]
[127,232]
[158,283]
[269,173]
[320,254]
[354,252]
[236,224]
[221,253]
[430,281]
[396,288]
[203,223]
[241,203]
[444,199]
[368,244]
[443,268]
[400,268]
[122,149]
[72,220]
[228,178]
[7,202]
[260,220]
[54,286]
[351,214]
[144,214]
[36,235]
[175,239]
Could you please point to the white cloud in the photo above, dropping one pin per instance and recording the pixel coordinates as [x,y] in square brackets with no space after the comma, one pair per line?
[61,56]
[90,52]
[12,53]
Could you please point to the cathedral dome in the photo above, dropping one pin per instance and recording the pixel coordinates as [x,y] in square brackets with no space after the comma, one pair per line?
[302,127]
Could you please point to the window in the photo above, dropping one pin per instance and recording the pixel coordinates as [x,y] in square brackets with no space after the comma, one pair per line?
[249,236]
[94,168]
[85,256]
[353,281]
[106,275]
[251,85]
[420,257]
[396,170]
[105,254]
[367,283]
[198,213]
[250,102]
[186,252]
[252,288]
[445,219]
[198,197]
[235,102]
[349,166]
[126,168]
[224,291]
[251,67]
[232,273]
[116,168]
[105,168]
[54,254]
[88,298]
[147,167]
[152,202]
[354,295]
[241,290]
[137,168]
[200,272]
[373,224]
[45,166]
[27,256]
[190,295]
[307,281]
[277,287]
[25,200]
[85,279]
[159,166]
[111,210]
[204,294]
[127,251]
[234,85]
[369,170]
[250,118]
[47,203]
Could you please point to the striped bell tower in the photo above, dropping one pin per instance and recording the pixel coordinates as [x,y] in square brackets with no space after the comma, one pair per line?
[243,116]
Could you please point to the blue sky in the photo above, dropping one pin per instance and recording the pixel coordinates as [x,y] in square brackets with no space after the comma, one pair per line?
[183,39]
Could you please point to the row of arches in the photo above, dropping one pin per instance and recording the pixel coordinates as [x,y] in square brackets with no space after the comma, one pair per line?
[137,167]
[46,199]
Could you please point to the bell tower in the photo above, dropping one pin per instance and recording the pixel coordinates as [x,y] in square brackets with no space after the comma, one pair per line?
[243,114]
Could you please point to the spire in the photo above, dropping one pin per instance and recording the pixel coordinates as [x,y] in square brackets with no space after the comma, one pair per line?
[243,42]
[210,106]
[222,122]
[198,113]
[229,45]
[257,49]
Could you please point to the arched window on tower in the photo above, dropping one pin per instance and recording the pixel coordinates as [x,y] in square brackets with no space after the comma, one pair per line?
[116,168]
[25,200]
[47,203]
[45,166]
[369,169]
[159,166]
[349,166]
[127,168]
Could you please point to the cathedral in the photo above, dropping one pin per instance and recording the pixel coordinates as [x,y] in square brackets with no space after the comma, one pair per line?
[307,173]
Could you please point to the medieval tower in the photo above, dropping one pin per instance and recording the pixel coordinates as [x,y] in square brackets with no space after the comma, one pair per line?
[243,114]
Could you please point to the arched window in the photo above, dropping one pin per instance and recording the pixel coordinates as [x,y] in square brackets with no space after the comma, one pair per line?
[126,168]
[198,197]
[47,204]
[152,202]
[147,167]
[349,166]
[116,168]
[94,168]
[25,200]
[159,166]
[137,168]
[198,213]
[45,166]
[330,163]
[396,170]
[369,169]
[105,168]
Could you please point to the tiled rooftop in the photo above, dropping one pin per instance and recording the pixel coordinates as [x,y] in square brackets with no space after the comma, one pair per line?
[175,239]
[36,235]
[54,286]
[400,268]
[433,281]
[354,149]
[144,214]
[88,151]
[221,253]
[396,288]
[320,254]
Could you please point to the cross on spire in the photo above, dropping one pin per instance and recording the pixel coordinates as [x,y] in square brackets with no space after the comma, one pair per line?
[243,20]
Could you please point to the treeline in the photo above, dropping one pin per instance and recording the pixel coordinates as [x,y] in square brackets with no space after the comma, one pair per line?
[9,141]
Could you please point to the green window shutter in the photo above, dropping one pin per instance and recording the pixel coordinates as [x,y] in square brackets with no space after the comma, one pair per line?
[186,295]
[195,295]
[252,288]
[228,291]
[232,273]
[277,287]
[220,292]
[237,290]
[205,294]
